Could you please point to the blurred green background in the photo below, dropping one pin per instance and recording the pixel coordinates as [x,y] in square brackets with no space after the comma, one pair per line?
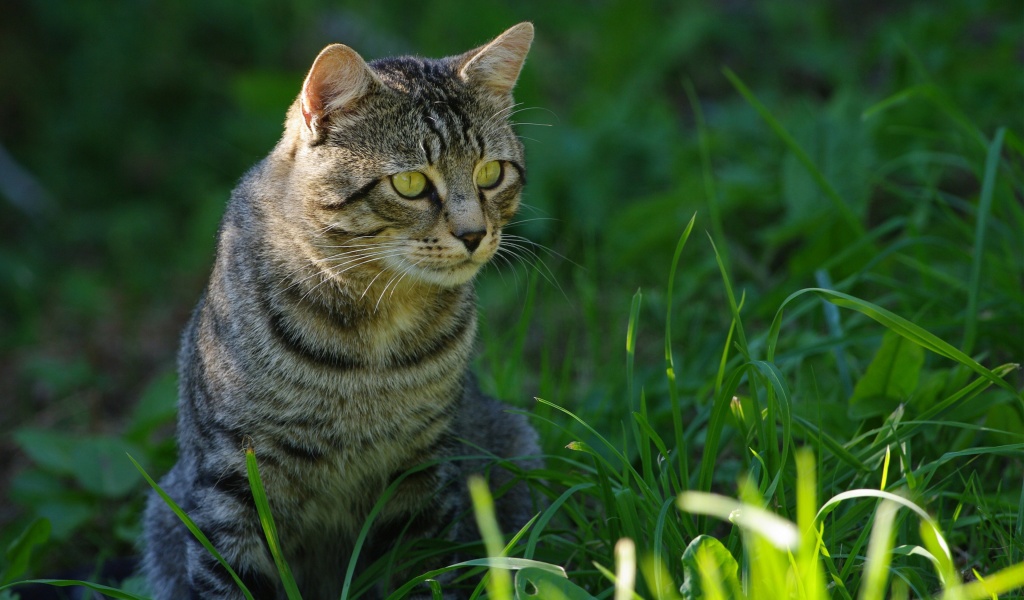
[125,124]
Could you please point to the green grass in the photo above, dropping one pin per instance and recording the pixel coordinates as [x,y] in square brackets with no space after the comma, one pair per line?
[783,271]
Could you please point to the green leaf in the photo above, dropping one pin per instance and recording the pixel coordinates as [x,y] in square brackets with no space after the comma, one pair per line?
[103,589]
[19,552]
[848,216]
[269,528]
[1007,424]
[728,568]
[541,584]
[157,405]
[96,463]
[890,378]
[65,514]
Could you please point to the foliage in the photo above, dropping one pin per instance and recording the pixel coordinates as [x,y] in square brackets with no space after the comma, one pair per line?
[859,292]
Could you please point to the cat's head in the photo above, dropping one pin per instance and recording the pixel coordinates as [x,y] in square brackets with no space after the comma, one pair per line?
[408,167]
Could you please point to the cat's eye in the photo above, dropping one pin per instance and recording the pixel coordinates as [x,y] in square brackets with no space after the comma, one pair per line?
[410,184]
[489,174]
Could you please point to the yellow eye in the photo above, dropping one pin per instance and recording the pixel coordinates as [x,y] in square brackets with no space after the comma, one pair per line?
[410,184]
[489,174]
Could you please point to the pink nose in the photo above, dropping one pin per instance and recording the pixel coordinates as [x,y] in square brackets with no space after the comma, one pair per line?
[471,239]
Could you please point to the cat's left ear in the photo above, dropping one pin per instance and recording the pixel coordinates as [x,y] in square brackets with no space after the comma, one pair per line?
[496,66]
[338,79]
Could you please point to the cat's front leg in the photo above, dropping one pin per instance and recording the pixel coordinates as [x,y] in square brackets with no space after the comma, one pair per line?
[237,535]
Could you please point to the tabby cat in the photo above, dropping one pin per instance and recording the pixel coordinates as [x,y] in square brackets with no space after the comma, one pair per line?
[336,329]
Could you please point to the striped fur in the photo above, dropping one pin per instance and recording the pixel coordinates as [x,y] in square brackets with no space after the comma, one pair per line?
[337,326]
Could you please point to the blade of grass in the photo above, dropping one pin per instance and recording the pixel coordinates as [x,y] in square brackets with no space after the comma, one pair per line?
[778,401]
[502,562]
[658,578]
[866,493]
[499,585]
[984,208]
[346,589]
[934,94]
[103,589]
[720,411]
[808,566]
[782,533]
[659,537]
[1020,524]
[835,329]
[625,569]
[892,321]
[604,441]
[545,517]
[190,524]
[733,306]
[830,565]
[814,433]
[704,145]
[269,528]
[682,451]
[631,333]
[845,212]
[1007,580]
[876,563]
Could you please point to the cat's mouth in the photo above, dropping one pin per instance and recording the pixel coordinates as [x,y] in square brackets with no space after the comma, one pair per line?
[456,273]
[449,273]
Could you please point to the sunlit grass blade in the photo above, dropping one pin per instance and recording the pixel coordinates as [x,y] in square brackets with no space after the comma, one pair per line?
[501,562]
[499,584]
[625,569]
[808,566]
[830,565]
[658,579]
[941,547]
[1010,579]
[192,527]
[781,533]
[269,528]
[876,563]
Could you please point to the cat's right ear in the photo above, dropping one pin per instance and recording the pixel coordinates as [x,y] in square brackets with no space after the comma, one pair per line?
[338,79]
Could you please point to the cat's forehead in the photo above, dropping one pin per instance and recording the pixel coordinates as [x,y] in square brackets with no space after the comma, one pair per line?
[420,76]
[428,112]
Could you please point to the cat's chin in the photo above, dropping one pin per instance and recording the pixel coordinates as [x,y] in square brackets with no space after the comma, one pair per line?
[449,277]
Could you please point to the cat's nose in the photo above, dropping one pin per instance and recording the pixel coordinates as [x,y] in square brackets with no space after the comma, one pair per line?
[471,239]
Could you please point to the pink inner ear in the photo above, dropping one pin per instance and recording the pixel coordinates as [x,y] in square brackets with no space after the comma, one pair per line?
[338,77]
[309,105]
